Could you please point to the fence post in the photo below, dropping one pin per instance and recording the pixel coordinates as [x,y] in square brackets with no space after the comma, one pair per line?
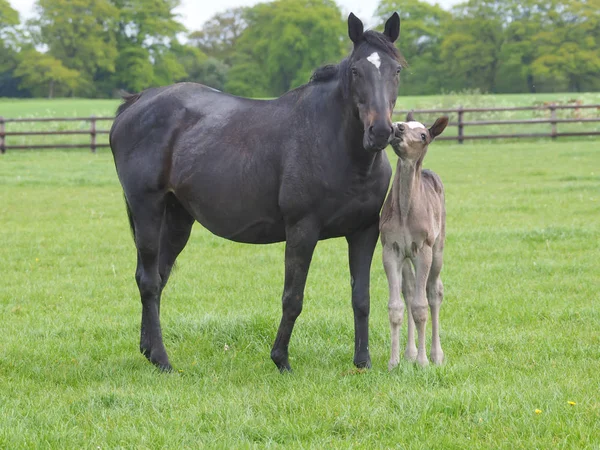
[460,124]
[93,133]
[553,119]
[2,142]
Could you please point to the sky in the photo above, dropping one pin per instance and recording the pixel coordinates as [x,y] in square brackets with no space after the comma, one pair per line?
[193,13]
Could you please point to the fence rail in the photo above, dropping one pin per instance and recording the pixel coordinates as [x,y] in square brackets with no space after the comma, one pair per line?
[460,112]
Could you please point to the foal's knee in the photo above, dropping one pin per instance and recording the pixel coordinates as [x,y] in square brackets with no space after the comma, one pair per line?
[419,312]
[396,313]
[435,292]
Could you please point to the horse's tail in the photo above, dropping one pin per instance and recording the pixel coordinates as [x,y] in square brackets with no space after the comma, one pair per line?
[130,217]
[128,100]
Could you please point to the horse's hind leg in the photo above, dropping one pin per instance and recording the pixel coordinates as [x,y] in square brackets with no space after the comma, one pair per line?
[175,233]
[176,225]
[147,213]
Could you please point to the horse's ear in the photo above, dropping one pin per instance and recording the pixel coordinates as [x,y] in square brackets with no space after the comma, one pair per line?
[438,127]
[355,28]
[410,117]
[392,27]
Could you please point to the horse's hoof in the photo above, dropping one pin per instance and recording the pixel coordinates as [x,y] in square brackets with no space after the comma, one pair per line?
[285,369]
[363,363]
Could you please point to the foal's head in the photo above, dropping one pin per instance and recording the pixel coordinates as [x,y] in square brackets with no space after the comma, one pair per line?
[373,76]
[411,138]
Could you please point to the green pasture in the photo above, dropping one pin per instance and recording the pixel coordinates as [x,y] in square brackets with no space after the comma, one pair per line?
[520,324]
[65,107]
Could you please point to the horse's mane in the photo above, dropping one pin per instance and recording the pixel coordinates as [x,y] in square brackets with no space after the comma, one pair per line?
[373,38]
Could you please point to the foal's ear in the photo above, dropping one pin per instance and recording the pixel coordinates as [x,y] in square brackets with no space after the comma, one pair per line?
[438,127]
[392,27]
[355,28]
[410,117]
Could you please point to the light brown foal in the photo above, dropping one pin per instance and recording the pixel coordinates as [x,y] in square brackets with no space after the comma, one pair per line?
[413,229]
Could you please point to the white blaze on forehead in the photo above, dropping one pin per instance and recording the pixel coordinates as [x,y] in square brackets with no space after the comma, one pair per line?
[374,59]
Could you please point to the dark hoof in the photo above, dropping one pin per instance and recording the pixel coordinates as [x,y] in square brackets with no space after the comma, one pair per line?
[363,363]
[165,368]
[161,361]
[281,361]
[285,369]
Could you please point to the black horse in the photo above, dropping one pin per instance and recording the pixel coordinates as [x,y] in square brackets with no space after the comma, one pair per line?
[304,167]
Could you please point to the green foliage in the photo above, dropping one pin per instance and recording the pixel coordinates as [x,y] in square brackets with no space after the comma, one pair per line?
[79,33]
[519,322]
[218,36]
[45,75]
[283,43]
[509,46]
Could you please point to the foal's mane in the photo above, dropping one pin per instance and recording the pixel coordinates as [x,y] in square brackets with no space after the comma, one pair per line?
[374,39]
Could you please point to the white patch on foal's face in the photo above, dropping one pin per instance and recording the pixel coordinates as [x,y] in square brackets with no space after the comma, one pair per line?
[413,125]
[375,60]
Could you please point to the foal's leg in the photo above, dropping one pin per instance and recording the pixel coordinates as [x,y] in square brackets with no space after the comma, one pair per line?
[176,227]
[147,215]
[435,295]
[361,246]
[301,240]
[391,264]
[418,305]
[408,292]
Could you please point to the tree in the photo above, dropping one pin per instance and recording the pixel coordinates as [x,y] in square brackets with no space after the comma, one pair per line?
[218,36]
[568,51]
[80,34]
[420,38]
[9,50]
[284,42]
[45,75]
[146,33]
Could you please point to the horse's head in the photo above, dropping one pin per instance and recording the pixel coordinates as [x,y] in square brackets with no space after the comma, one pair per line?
[374,68]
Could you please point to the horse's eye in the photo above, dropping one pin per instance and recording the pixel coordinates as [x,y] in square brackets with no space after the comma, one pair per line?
[423,137]
[354,71]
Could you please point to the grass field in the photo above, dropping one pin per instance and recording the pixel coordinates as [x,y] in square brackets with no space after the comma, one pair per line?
[520,323]
[29,108]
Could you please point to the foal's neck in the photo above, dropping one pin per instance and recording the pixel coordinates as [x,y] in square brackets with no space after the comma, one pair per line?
[406,186]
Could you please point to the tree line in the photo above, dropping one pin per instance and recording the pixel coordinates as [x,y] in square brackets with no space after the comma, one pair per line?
[95,48]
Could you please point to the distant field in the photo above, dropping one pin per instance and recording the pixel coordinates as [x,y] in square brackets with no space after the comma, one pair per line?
[520,323]
[11,108]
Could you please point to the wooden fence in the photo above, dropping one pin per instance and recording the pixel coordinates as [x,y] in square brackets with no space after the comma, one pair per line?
[460,123]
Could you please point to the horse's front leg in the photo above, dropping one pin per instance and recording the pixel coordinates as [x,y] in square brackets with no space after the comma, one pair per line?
[361,246]
[301,239]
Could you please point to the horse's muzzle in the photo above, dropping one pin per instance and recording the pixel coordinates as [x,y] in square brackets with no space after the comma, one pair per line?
[376,138]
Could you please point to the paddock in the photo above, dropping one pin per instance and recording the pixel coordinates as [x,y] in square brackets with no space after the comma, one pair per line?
[520,322]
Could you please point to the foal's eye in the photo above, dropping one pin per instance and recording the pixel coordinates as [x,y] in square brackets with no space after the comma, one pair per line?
[398,70]
[423,137]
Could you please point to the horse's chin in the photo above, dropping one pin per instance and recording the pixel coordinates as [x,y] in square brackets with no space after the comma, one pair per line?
[374,147]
